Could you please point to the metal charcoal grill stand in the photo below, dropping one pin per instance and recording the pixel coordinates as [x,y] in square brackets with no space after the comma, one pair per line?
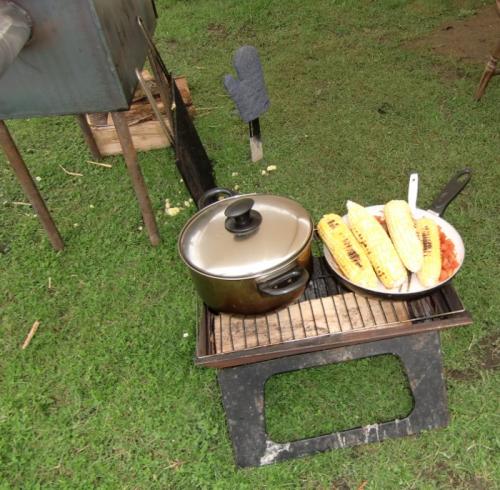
[327,325]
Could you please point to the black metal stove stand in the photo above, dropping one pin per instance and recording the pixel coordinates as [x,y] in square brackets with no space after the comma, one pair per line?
[414,339]
[243,397]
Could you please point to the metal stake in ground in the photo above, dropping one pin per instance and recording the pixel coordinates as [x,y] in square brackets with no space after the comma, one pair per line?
[255,140]
[489,72]
[30,189]
[249,93]
[491,67]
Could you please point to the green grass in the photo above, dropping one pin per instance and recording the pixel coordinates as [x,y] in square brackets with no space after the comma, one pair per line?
[107,396]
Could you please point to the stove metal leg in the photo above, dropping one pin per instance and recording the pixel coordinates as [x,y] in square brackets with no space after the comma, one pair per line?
[243,398]
[136,177]
[30,189]
[89,137]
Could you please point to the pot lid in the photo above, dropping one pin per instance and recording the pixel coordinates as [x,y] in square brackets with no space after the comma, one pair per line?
[245,236]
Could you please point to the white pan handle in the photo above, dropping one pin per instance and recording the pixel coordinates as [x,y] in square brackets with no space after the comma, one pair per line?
[413,191]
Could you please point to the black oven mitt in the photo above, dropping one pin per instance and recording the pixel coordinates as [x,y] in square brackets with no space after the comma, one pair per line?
[249,90]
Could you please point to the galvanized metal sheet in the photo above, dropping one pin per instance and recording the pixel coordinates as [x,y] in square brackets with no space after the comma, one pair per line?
[81,58]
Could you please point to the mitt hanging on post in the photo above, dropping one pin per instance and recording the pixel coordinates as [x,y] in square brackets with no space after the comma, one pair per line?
[249,93]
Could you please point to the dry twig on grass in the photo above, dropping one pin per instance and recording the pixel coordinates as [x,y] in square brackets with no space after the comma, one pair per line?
[175,465]
[107,165]
[75,174]
[30,335]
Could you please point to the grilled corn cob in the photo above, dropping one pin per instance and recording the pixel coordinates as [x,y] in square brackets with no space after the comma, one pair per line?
[346,251]
[404,234]
[428,233]
[377,245]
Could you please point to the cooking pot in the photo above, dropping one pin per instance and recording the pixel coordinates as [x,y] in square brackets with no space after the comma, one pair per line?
[248,254]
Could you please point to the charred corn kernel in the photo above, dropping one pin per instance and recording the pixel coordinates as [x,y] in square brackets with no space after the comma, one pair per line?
[377,245]
[428,233]
[346,251]
[403,234]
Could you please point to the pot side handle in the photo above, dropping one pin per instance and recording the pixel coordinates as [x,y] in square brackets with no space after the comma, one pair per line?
[294,280]
[208,196]
[452,190]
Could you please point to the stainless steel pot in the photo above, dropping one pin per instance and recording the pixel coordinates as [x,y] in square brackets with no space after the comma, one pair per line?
[248,254]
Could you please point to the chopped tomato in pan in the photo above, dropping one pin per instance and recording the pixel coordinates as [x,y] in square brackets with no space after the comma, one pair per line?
[449,261]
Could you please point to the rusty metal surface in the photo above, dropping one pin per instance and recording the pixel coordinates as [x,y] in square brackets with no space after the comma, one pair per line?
[89,137]
[134,171]
[489,72]
[81,58]
[29,187]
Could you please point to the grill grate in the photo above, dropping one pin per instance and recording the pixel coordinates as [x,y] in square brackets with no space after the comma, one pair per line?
[326,315]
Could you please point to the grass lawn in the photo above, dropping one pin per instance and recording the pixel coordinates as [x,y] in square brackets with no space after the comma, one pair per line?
[107,396]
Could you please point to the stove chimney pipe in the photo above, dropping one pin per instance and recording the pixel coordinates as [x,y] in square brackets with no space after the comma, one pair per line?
[15,31]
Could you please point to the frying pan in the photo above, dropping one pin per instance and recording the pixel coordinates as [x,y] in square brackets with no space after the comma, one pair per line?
[412,287]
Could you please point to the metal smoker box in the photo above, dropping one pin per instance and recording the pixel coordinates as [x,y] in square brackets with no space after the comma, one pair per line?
[81,57]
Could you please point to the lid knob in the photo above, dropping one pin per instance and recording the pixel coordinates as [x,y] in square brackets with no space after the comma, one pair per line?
[241,218]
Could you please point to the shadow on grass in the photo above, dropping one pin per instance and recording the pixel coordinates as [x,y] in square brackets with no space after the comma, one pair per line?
[337,397]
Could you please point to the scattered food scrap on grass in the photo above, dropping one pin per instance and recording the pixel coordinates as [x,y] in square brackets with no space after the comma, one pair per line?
[173,211]
[269,169]
[31,334]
